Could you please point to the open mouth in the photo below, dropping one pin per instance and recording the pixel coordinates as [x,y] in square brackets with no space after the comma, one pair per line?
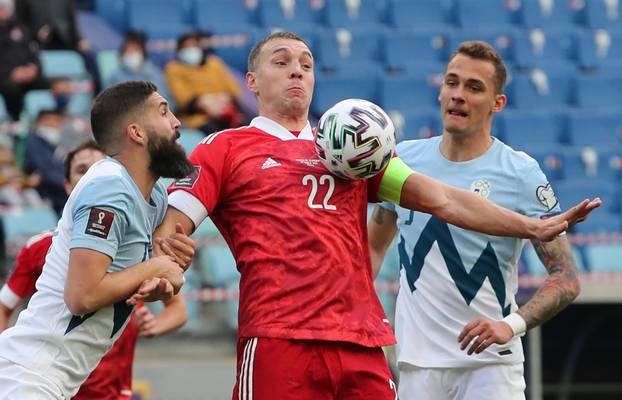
[457,113]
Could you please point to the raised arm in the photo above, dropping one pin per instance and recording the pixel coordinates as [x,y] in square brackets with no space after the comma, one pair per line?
[171,318]
[381,230]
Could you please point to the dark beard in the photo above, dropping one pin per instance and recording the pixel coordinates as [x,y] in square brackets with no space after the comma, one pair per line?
[168,158]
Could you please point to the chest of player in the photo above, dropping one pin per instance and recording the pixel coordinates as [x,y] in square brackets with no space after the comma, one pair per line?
[289,172]
[135,246]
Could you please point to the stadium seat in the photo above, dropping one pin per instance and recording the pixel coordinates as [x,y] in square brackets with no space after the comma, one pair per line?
[273,14]
[502,40]
[37,100]
[589,128]
[211,14]
[562,14]
[114,12]
[421,15]
[420,124]
[572,191]
[352,15]
[160,19]
[232,44]
[332,89]
[592,162]
[548,157]
[539,91]
[602,14]
[63,63]
[522,128]
[190,138]
[343,47]
[421,47]
[598,49]
[408,93]
[485,14]
[598,92]
[600,221]
[107,63]
[532,47]
[29,221]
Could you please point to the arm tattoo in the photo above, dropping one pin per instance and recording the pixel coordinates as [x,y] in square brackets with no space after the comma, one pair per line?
[559,289]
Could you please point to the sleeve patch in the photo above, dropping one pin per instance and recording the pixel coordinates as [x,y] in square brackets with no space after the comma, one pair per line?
[189,181]
[546,196]
[99,223]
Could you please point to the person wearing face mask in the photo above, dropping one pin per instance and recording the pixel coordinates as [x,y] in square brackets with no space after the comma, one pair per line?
[44,157]
[20,69]
[204,89]
[135,65]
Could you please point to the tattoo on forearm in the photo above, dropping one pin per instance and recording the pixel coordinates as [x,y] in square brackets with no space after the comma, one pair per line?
[378,215]
[559,289]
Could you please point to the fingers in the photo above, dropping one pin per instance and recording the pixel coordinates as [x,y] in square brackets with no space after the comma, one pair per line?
[475,331]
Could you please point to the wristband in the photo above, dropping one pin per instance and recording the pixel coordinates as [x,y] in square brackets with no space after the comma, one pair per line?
[517,323]
[393,180]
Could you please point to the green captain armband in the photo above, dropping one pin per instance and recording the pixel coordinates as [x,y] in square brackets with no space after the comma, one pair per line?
[393,180]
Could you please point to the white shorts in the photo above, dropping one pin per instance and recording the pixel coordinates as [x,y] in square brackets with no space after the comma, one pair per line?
[19,383]
[491,382]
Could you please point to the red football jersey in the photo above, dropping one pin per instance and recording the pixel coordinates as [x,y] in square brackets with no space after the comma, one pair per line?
[297,232]
[112,379]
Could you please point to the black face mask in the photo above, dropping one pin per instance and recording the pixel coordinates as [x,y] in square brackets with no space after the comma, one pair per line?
[168,158]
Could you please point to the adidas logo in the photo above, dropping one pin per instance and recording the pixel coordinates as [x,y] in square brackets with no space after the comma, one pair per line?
[269,163]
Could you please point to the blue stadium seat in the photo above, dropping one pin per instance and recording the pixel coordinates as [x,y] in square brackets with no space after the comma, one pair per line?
[408,93]
[332,89]
[114,12]
[531,128]
[591,128]
[485,14]
[524,93]
[419,46]
[233,44]
[160,19]
[272,14]
[211,14]
[536,46]
[549,158]
[419,124]
[420,15]
[533,14]
[598,49]
[587,162]
[63,63]
[600,221]
[343,47]
[190,138]
[29,221]
[107,64]
[574,191]
[37,100]
[602,14]
[502,40]
[598,92]
[364,14]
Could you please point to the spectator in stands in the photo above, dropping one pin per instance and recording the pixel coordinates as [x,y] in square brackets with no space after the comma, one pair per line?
[203,88]
[74,128]
[55,26]
[135,64]
[20,69]
[43,157]
[16,188]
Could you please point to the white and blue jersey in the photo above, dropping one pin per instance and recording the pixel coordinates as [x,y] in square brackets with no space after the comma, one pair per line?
[106,212]
[450,276]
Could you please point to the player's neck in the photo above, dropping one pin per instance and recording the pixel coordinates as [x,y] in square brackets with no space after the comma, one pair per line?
[458,148]
[139,172]
[287,121]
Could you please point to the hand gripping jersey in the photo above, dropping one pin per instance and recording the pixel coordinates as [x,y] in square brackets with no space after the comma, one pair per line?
[105,212]
[298,234]
[113,375]
[450,276]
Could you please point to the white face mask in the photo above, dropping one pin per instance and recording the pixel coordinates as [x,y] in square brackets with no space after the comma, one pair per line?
[49,134]
[133,61]
[191,56]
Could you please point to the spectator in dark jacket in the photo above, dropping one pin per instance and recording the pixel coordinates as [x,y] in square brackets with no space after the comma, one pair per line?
[20,69]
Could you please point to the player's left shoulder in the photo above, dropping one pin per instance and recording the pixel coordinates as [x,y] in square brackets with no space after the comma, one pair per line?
[519,159]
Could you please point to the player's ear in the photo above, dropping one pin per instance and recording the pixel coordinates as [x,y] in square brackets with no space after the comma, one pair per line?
[135,133]
[500,102]
[251,82]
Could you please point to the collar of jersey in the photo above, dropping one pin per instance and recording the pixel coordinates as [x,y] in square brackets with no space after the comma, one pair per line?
[275,129]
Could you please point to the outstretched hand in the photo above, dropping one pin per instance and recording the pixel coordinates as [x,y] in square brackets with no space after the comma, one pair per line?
[178,246]
[549,228]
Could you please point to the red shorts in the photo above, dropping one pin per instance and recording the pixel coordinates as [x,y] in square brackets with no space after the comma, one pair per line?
[278,369]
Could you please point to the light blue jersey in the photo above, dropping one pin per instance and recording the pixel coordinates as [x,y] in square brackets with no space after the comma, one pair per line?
[106,212]
[450,276]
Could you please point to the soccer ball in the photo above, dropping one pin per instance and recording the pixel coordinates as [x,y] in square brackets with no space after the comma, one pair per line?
[355,139]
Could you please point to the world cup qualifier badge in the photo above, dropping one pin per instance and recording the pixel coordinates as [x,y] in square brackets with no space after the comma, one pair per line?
[99,223]
[189,181]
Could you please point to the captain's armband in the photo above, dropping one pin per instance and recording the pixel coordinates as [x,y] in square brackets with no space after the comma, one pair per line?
[393,180]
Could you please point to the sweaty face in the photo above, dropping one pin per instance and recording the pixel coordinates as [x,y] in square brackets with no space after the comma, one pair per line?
[467,96]
[284,79]
[81,162]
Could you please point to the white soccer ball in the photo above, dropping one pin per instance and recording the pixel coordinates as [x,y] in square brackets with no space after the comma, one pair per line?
[355,139]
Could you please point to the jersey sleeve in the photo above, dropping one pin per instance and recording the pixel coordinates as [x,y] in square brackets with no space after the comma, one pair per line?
[206,181]
[100,215]
[537,198]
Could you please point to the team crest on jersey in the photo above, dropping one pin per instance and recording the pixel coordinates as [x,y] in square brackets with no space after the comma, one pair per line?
[190,179]
[99,223]
[481,187]
[546,196]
